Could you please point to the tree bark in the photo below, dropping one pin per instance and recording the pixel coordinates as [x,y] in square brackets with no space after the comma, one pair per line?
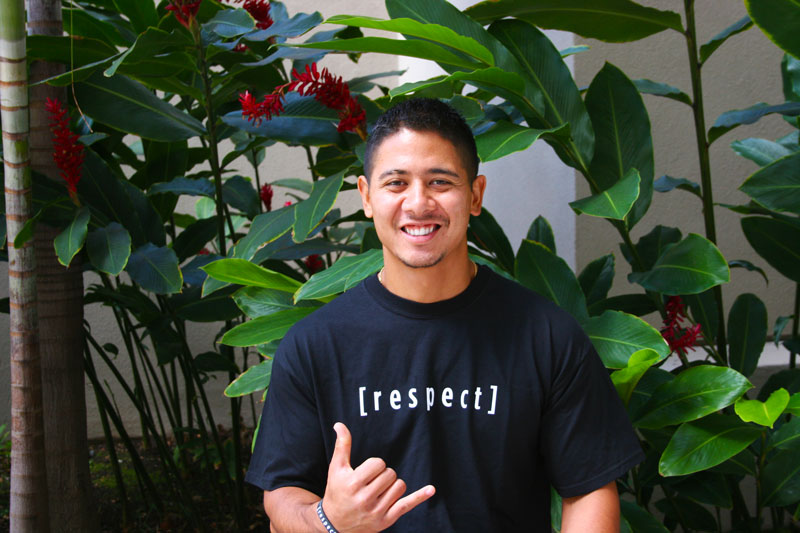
[60,301]
[28,500]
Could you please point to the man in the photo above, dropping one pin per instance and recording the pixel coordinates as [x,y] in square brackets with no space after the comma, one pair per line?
[437,396]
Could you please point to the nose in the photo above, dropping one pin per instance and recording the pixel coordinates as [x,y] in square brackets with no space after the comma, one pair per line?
[418,200]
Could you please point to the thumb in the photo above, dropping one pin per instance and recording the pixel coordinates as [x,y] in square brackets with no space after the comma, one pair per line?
[341,453]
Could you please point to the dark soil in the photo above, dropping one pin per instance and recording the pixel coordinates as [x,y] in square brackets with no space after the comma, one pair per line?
[205,507]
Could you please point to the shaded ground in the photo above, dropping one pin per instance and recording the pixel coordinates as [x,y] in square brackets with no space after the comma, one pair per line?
[209,511]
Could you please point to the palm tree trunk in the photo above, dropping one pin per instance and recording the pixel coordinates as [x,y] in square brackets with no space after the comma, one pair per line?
[28,500]
[60,297]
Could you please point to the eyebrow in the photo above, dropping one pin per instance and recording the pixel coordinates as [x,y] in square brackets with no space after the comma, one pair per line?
[434,170]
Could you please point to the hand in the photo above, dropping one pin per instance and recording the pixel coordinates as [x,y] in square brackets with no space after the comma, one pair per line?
[366,499]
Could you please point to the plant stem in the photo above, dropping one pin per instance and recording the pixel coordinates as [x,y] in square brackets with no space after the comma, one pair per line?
[795,326]
[705,161]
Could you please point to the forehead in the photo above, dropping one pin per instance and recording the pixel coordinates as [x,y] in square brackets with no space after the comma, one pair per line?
[418,149]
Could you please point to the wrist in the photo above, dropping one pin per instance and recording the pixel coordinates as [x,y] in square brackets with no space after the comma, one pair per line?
[327,526]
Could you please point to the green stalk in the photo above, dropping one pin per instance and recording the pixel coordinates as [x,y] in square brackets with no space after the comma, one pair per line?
[705,161]
[795,326]
[112,456]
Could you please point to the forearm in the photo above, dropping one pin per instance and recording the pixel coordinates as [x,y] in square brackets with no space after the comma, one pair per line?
[597,511]
[292,510]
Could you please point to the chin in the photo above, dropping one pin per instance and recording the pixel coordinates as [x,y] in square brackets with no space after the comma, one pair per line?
[421,262]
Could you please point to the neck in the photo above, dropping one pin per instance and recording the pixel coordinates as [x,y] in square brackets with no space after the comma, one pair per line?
[430,284]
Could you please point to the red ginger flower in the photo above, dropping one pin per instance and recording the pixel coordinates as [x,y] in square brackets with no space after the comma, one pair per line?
[266,196]
[314,263]
[259,10]
[184,10]
[679,338]
[67,151]
[256,111]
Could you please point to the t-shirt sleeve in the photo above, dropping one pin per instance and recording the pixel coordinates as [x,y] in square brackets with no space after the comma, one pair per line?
[289,450]
[587,439]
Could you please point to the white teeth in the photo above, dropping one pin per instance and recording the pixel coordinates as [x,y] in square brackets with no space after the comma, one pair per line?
[416,232]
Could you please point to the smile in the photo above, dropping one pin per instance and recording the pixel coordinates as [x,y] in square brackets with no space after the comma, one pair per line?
[420,231]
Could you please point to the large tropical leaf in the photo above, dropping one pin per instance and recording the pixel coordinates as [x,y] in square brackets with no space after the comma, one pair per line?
[487,234]
[780,479]
[109,248]
[622,136]
[543,65]
[265,329]
[761,151]
[264,229]
[616,336]
[688,267]
[733,119]
[777,241]
[310,212]
[253,379]
[626,379]
[128,106]
[777,186]
[639,520]
[747,333]
[778,19]
[430,32]
[155,269]
[715,42]
[596,278]
[542,271]
[695,393]
[606,20]
[763,413]
[258,301]
[506,138]
[614,202]
[70,241]
[705,443]
[344,274]
[242,272]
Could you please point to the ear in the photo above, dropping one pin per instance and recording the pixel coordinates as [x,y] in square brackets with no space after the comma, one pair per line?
[363,190]
[478,188]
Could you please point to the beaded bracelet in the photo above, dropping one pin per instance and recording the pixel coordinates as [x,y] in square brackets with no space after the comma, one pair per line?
[324,519]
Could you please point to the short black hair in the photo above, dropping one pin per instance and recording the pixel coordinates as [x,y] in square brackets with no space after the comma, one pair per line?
[425,114]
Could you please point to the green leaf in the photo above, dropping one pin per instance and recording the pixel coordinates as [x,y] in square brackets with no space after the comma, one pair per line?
[288,27]
[229,23]
[732,119]
[155,269]
[596,278]
[694,516]
[70,241]
[656,88]
[693,394]
[430,32]
[763,413]
[253,379]
[632,304]
[66,50]
[667,183]
[703,308]
[487,234]
[710,488]
[780,324]
[787,437]
[381,45]
[109,248]
[141,14]
[688,267]
[607,20]
[572,50]
[652,379]
[506,138]
[310,212]
[652,245]
[194,238]
[258,301]
[790,72]
[296,184]
[778,19]
[264,229]
[542,271]
[760,151]
[780,480]
[737,27]
[777,186]
[345,273]
[128,106]
[794,405]
[747,333]
[264,329]
[639,520]
[622,136]
[616,336]
[541,232]
[626,379]
[614,202]
[777,241]
[239,193]
[543,65]
[243,272]
[181,185]
[705,443]
[214,362]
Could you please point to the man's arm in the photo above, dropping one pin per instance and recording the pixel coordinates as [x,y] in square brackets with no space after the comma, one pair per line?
[361,500]
[597,511]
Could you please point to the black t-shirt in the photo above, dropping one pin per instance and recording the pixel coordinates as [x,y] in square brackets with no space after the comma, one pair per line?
[491,396]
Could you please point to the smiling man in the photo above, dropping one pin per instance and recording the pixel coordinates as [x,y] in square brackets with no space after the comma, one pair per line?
[437,395]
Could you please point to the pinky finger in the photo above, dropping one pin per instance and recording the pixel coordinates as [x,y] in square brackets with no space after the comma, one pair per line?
[407,503]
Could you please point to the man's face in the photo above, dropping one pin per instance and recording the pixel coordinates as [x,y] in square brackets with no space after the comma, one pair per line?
[420,199]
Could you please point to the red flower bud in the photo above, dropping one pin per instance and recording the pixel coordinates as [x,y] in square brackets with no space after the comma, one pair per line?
[67,151]
[314,263]
[266,196]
